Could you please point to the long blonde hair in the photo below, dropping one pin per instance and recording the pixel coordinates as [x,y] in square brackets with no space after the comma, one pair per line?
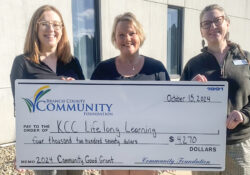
[32,44]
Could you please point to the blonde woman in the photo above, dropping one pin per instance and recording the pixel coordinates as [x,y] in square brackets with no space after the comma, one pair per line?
[128,37]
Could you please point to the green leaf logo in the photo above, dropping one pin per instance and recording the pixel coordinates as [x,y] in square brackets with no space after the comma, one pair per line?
[37,96]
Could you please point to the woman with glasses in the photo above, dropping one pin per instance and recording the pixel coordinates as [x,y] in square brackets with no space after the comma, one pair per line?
[46,55]
[223,60]
[47,52]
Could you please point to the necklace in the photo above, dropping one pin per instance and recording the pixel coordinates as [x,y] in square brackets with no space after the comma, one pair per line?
[128,66]
[135,64]
[133,68]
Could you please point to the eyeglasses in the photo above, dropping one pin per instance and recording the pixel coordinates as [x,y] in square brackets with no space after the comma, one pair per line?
[46,24]
[217,21]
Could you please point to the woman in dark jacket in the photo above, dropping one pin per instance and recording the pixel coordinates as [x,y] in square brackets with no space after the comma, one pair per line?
[47,55]
[222,60]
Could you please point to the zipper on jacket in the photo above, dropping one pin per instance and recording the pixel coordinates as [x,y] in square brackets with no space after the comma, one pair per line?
[222,69]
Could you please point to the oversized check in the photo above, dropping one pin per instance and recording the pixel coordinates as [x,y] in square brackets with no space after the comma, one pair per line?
[120,125]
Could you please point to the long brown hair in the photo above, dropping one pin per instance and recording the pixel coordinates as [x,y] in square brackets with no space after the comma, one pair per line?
[32,44]
[221,9]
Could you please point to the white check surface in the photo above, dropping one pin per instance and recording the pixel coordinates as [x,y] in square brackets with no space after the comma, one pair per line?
[120,125]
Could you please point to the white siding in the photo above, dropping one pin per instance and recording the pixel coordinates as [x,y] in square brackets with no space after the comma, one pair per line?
[14,20]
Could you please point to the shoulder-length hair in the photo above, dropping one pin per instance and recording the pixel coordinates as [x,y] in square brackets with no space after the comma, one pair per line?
[32,46]
[128,16]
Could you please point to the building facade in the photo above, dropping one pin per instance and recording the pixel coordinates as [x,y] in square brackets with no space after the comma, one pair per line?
[171,28]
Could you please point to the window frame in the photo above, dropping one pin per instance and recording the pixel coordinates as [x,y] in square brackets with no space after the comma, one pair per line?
[96,42]
[180,19]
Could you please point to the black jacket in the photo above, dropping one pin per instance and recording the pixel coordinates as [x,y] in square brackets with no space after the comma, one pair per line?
[24,68]
[238,78]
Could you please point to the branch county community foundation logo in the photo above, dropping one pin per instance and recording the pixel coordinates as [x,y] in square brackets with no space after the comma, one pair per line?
[38,95]
[65,104]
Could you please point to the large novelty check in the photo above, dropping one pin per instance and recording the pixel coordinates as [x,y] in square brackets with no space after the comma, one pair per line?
[120,125]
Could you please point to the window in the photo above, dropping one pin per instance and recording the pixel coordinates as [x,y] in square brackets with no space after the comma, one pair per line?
[86,39]
[174,40]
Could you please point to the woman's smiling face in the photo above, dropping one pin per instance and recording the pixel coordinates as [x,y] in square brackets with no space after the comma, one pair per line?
[214,26]
[126,38]
[49,34]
